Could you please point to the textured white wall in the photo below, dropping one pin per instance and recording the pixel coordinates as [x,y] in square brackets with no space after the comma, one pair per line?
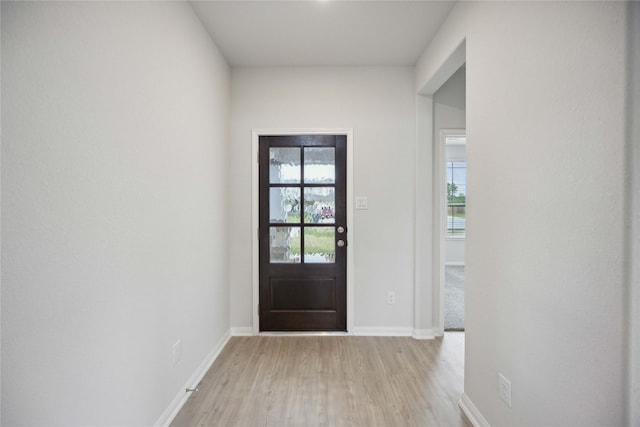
[114,154]
[544,272]
[634,192]
[378,103]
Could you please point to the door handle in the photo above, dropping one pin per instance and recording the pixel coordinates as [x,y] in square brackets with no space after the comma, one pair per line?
[341,243]
[340,229]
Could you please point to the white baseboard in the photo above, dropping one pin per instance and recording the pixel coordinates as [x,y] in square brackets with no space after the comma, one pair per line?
[382,331]
[376,331]
[242,331]
[425,334]
[472,412]
[176,404]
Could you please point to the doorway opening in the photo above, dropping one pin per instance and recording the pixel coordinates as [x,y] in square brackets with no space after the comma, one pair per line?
[456,188]
[450,199]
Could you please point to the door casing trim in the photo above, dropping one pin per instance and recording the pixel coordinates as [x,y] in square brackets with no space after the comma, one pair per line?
[255,210]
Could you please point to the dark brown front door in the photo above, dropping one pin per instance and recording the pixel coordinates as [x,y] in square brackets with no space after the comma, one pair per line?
[303,236]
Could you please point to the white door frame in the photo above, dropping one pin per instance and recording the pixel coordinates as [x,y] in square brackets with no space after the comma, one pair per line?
[255,210]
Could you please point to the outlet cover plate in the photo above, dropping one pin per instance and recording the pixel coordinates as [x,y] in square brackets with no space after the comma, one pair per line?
[177,352]
[391,297]
[504,389]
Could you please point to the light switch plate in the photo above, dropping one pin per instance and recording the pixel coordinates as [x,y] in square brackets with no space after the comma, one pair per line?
[362,202]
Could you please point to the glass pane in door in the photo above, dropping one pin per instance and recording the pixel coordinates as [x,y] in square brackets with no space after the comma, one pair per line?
[319,165]
[284,244]
[284,165]
[319,205]
[284,204]
[319,245]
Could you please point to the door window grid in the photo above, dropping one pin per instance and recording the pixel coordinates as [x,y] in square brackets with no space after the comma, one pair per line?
[302,244]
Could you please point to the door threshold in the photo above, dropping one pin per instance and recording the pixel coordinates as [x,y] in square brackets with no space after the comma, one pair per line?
[304,333]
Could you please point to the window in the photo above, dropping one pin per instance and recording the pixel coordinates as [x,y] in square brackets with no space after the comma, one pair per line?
[456,198]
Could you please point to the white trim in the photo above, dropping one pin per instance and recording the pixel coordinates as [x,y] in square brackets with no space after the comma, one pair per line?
[426,334]
[181,398]
[440,228]
[472,412]
[456,140]
[455,237]
[242,331]
[382,331]
[377,331]
[255,136]
[255,226]
[454,264]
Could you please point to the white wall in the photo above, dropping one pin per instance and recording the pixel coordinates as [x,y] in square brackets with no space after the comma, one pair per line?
[544,273]
[634,215]
[378,103]
[114,165]
[0,227]
[449,113]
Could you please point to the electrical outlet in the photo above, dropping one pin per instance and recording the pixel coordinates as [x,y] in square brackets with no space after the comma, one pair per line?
[504,389]
[177,352]
[391,297]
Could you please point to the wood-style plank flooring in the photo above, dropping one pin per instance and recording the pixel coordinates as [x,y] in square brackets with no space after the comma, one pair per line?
[331,381]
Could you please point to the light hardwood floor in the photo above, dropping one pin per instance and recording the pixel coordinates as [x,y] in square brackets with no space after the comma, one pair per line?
[331,381]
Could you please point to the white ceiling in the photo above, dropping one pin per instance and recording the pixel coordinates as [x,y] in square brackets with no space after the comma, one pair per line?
[322,33]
